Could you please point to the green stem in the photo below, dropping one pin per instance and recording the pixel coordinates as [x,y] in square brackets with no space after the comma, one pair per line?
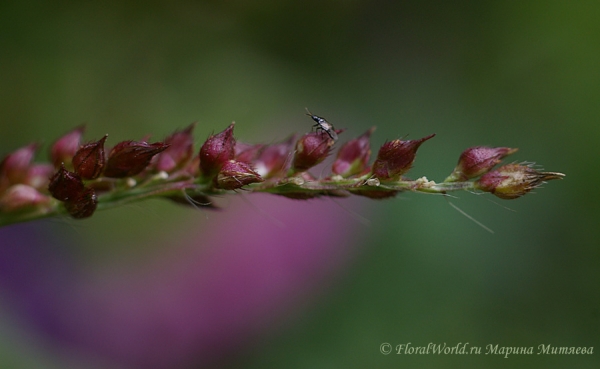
[162,187]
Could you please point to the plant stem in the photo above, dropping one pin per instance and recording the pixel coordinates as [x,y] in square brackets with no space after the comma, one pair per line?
[158,187]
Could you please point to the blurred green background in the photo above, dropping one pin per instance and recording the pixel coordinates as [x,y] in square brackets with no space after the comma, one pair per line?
[517,74]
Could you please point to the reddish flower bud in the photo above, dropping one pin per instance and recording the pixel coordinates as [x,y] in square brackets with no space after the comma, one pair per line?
[38,175]
[476,161]
[396,157]
[247,153]
[129,158]
[20,196]
[101,186]
[84,205]
[63,149]
[513,180]
[274,159]
[15,165]
[193,167]
[179,153]
[65,185]
[89,160]
[353,157]
[216,151]
[311,149]
[236,174]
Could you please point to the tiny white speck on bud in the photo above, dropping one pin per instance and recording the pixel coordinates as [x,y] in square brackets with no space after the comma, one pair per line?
[261,169]
[297,181]
[423,182]
[161,175]
[130,182]
[373,182]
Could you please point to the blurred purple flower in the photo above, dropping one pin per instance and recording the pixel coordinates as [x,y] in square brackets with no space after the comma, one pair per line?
[237,276]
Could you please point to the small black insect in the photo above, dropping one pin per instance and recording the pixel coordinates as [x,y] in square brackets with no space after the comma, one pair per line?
[323,125]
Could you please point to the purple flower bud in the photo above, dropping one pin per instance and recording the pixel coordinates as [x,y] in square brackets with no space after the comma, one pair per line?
[65,185]
[513,180]
[353,157]
[311,149]
[38,175]
[396,157]
[179,153]
[21,196]
[236,174]
[193,167]
[476,161]
[84,205]
[14,166]
[216,151]
[129,158]
[89,160]
[63,149]
[247,153]
[274,159]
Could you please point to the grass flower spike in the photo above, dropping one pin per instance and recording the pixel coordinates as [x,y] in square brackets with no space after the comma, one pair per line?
[81,179]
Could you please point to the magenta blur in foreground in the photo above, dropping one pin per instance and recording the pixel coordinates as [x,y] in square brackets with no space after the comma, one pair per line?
[208,293]
[86,179]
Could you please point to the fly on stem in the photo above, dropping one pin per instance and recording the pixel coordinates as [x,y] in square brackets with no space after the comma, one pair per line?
[323,125]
